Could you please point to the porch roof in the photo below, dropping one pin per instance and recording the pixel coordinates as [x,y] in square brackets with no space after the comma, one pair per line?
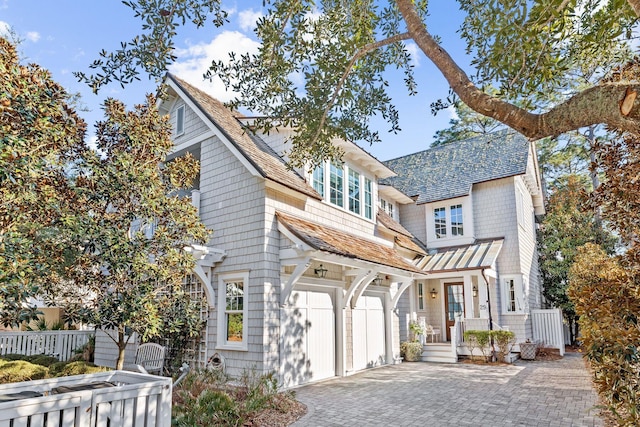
[479,255]
[334,241]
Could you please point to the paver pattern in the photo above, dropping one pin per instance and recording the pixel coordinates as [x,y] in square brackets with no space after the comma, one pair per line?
[528,393]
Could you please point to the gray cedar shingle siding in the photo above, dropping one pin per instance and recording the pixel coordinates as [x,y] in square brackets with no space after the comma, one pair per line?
[257,152]
[450,170]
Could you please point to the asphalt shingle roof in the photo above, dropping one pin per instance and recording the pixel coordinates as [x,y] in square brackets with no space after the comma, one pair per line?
[256,151]
[450,170]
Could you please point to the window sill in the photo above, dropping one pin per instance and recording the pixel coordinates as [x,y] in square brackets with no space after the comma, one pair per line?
[241,347]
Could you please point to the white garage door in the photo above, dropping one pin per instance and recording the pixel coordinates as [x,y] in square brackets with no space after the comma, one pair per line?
[368,332]
[309,337]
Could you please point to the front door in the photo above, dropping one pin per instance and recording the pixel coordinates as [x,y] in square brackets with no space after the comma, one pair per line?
[454,304]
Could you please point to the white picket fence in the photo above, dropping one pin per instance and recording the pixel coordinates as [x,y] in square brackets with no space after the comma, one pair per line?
[60,344]
[548,328]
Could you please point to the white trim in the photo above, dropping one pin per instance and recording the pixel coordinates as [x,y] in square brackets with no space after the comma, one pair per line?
[223,279]
[191,142]
[230,146]
[180,132]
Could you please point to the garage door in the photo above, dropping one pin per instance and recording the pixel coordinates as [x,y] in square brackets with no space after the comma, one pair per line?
[309,334]
[368,332]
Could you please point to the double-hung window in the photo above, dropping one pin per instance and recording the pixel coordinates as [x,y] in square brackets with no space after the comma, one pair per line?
[232,314]
[440,218]
[456,220]
[420,296]
[336,184]
[368,198]
[512,294]
[354,191]
[318,179]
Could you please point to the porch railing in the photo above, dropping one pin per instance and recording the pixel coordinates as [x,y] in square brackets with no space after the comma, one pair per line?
[60,344]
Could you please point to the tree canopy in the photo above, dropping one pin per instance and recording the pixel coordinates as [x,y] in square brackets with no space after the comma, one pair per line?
[322,66]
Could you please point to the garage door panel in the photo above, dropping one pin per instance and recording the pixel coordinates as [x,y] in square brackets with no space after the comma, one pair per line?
[368,332]
[309,337]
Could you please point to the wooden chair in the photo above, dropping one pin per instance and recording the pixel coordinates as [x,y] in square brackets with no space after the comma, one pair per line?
[150,358]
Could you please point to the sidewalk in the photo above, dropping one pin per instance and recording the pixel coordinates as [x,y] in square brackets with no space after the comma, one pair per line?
[554,393]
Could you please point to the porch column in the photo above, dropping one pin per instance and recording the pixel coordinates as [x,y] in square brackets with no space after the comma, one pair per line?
[388,328]
[468,296]
[482,298]
[341,346]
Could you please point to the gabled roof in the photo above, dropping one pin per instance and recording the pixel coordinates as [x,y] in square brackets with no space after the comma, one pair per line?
[479,255]
[337,242]
[450,170]
[264,159]
[403,237]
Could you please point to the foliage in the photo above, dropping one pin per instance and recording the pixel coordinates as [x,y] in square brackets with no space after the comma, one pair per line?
[129,239]
[504,341]
[205,399]
[39,135]
[18,367]
[606,291]
[416,329]
[471,340]
[480,339]
[322,67]
[21,370]
[410,350]
[570,222]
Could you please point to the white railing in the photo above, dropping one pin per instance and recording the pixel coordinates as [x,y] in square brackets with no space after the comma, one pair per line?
[60,344]
[547,328]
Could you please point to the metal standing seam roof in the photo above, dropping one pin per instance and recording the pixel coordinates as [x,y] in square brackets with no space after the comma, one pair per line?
[470,257]
[450,170]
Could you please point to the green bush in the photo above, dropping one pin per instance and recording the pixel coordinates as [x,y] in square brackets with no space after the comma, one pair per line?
[481,340]
[21,370]
[504,341]
[410,350]
[205,399]
[64,369]
[36,359]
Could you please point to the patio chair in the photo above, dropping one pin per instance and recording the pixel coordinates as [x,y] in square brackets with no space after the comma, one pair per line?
[430,331]
[150,358]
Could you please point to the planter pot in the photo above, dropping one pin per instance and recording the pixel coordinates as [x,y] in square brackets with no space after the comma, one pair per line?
[528,350]
[411,351]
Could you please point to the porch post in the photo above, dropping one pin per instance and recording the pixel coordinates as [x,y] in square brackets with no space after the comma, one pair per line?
[468,297]
[388,328]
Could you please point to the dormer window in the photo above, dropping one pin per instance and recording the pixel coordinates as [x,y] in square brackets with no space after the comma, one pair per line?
[356,195]
[452,222]
[387,207]
[180,120]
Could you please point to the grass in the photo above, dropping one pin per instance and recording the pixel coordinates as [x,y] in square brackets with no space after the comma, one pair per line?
[17,368]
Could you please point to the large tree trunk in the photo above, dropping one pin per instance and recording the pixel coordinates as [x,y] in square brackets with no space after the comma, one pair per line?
[122,345]
[599,104]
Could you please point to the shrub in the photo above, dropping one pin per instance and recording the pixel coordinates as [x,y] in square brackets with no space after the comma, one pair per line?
[63,369]
[41,359]
[410,350]
[481,339]
[205,399]
[505,341]
[21,370]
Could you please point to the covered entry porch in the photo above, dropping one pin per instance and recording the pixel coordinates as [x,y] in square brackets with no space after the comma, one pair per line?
[338,298]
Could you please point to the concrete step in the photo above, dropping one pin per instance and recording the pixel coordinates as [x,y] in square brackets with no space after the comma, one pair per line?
[438,353]
[439,359]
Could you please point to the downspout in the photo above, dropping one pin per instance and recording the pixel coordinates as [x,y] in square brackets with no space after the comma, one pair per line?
[493,350]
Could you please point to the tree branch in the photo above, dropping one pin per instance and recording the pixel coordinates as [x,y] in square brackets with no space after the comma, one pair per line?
[359,54]
[599,104]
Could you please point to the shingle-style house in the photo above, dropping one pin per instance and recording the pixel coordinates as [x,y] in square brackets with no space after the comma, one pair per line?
[316,273]
[474,206]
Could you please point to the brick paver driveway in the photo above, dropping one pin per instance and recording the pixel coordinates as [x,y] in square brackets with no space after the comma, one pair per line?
[557,393]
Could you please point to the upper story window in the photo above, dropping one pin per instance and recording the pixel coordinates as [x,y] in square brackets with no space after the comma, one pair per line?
[440,220]
[448,221]
[387,207]
[355,195]
[336,184]
[456,220]
[318,180]
[180,120]
[354,191]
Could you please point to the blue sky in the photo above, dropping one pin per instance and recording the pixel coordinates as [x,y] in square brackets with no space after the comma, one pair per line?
[66,35]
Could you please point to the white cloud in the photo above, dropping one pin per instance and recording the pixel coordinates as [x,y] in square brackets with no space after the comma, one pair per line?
[33,36]
[5,29]
[194,61]
[453,114]
[413,50]
[247,19]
